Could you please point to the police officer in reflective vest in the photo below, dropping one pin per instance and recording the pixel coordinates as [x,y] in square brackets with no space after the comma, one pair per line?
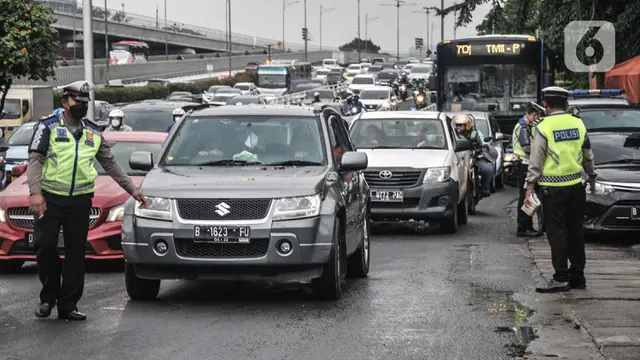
[61,179]
[522,137]
[559,152]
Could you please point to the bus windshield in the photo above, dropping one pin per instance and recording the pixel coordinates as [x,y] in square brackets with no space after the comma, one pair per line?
[124,52]
[273,77]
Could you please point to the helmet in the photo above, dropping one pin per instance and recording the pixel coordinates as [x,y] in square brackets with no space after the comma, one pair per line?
[178,114]
[316,94]
[116,113]
[464,120]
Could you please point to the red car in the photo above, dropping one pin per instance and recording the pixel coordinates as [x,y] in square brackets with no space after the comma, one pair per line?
[252,66]
[103,241]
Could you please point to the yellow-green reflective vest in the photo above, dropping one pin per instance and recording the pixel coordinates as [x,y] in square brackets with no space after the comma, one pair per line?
[565,136]
[517,147]
[68,168]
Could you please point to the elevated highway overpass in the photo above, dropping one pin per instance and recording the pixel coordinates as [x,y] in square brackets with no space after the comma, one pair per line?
[171,69]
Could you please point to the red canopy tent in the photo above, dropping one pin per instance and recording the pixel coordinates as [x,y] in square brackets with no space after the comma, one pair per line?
[625,76]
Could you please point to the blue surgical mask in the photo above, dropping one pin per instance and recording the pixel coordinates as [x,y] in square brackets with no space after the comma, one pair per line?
[431,137]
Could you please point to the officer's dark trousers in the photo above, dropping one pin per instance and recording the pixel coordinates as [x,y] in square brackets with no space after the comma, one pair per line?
[564,214]
[525,222]
[72,214]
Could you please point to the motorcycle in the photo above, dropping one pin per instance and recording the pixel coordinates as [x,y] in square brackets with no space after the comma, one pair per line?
[403,92]
[509,163]
[419,99]
[476,179]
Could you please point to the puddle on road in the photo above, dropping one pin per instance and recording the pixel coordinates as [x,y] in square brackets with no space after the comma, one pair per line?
[514,316]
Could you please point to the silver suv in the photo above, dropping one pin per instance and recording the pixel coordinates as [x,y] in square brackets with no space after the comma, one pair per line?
[247,192]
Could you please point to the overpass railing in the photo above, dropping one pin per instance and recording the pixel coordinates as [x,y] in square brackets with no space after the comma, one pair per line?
[298,97]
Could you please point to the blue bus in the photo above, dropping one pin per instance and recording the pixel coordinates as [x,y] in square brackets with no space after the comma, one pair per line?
[498,74]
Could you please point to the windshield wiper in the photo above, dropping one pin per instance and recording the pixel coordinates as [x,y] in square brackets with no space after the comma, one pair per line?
[228,162]
[621,161]
[294,163]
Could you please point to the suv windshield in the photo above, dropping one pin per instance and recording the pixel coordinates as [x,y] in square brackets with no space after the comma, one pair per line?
[242,87]
[354,67]
[362,81]
[224,97]
[611,118]
[123,149]
[421,70]
[374,95]
[148,119]
[387,75]
[23,135]
[399,134]
[608,148]
[237,140]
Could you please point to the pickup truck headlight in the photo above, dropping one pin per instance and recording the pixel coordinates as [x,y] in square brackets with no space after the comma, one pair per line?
[115,213]
[157,208]
[3,219]
[297,207]
[441,174]
[601,189]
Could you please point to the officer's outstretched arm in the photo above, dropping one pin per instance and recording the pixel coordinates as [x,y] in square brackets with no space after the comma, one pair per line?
[37,152]
[108,161]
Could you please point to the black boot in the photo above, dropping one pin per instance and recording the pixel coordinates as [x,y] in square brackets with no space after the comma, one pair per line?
[73,315]
[44,310]
[527,233]
[554,286]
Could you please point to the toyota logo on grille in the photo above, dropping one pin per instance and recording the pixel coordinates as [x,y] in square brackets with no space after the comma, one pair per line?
[223,209]
[385,174]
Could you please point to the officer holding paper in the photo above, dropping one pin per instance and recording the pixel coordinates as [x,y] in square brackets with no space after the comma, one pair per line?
[559,152]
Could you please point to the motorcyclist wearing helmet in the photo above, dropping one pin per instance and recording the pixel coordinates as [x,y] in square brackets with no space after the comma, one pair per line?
[464,129]
[116,121]
[177,116]
[355,106]
[316,98]
[404,78]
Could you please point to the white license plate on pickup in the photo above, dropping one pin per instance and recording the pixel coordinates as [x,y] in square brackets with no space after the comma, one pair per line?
[387,195]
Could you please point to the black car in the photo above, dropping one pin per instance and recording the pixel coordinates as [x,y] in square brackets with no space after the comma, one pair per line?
[247,99]
[620,118]
[388,76]
[615,206]
[272,191]
[152,115]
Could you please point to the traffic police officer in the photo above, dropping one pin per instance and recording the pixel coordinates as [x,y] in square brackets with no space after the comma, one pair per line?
[61,179]
[522,137]
[559,152]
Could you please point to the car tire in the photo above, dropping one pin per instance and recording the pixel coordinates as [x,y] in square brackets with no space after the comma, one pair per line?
[450,225]
[10,266]
[329,285]
[500,181]
[359,263]
[471,193]
[139,288]
[463,210]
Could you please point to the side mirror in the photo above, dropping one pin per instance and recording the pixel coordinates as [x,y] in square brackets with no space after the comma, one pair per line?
[499,136]
[463,145]
[25,107]
[18,170]
[432,82]
[141,160]
[354,161]
[488,138]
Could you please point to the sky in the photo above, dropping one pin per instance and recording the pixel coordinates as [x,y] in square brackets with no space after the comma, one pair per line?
[263,18]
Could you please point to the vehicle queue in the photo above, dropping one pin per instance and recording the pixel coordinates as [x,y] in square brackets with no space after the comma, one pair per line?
[296,187]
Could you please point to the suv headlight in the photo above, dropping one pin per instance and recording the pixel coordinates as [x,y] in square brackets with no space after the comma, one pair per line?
[441,174]
[3,219]
[157,208]
[601,189]
[297,207]
[116,213]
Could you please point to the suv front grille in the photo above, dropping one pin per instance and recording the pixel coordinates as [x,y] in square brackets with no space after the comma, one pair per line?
[399,178]
[22,218]
[223,209]
[188,248]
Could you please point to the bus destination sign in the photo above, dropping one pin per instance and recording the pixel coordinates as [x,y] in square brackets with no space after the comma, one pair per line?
[489,49]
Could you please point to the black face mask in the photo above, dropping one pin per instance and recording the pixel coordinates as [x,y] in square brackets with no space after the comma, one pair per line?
[78,110]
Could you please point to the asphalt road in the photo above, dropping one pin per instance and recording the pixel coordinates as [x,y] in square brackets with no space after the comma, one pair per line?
[428,296]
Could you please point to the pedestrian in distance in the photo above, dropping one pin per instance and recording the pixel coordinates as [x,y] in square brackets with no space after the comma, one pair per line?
[61,178]
[522,137]
[560,151]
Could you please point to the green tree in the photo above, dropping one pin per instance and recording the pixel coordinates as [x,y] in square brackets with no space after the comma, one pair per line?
[27,43]
[99,13]
[364,45]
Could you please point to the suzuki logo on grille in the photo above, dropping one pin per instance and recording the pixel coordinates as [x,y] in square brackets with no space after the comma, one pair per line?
[223,209]
[385,174]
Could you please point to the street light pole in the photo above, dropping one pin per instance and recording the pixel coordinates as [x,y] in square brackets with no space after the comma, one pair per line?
[75,10]
[366,27]
[87,34]
[426,11]
[359,38]
[455,16]
[286,4]
[306,40]
[106,35]
[322,11]
[229,11]
[398,4]
[442,21]
[166,35]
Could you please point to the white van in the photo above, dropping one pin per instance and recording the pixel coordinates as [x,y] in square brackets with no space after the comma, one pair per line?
[328,63]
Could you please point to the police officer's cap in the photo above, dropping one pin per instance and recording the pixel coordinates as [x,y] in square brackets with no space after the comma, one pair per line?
[556,92]
[79,90]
